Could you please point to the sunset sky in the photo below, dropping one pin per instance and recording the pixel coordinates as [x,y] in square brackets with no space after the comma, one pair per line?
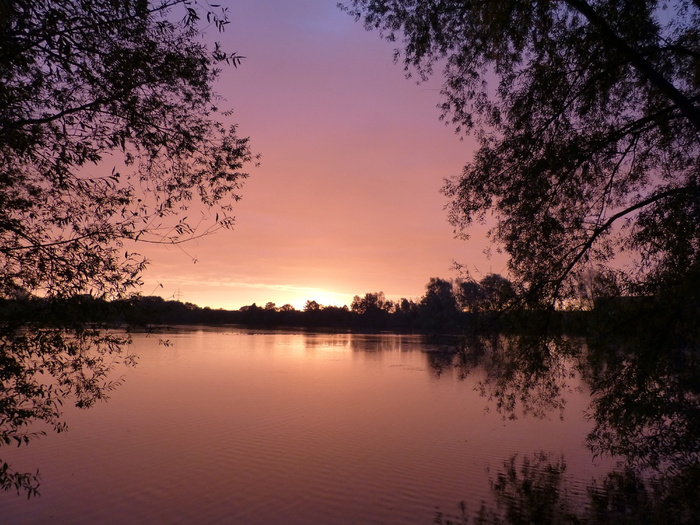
[346,199]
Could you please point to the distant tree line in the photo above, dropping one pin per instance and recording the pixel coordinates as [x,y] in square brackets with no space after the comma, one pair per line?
[448,306]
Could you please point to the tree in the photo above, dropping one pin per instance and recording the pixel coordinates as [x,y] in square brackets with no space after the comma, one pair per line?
[438,307]
[587,118]
[493,292]
[108,134]
[439,296]
[470,295]
[592,286]
[371,303]
[311,306]
[499,291]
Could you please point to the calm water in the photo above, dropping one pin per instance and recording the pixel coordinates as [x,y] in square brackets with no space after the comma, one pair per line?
[243,426]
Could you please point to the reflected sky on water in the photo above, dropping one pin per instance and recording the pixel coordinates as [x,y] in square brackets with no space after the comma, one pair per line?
[249,426]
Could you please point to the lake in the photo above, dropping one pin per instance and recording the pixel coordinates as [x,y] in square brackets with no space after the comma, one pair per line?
[232,425]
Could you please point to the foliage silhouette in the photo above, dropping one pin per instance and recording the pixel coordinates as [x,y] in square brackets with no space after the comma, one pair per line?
[642,371]
[587,119]
[47,359]
[535,489]
[109,132]
[493,292]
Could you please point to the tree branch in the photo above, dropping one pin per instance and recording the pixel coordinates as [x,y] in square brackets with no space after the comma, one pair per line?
[607,33]
[597,232]
[50,118]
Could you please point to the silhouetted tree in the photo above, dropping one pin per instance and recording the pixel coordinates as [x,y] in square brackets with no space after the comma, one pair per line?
[592,284]
[358,305]
[101,103]
[587,117]
[373,309]
[438,307]
[439,296]
[311,306]
[499,291]
[370,302]
[493,292]
[470,295]
[405,306]
[108,133]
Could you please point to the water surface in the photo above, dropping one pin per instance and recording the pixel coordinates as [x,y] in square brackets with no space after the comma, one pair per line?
[245,426]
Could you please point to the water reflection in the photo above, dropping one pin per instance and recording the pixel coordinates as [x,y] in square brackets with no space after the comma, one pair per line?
[41,369]
[536,489]
[645,409]
[647,402]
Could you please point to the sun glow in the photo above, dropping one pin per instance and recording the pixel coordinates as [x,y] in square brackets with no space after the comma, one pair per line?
[325,298]
[212,293]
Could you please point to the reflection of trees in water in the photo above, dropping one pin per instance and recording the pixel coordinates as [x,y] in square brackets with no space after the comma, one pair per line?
[40,370]
[645,409]
[646,405]
[524,375]
[383,342]
[526,491]
[534,490]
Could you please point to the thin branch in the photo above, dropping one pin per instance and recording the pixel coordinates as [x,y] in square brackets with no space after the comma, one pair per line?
[691,112]
[583,248]
[50,118]
[90,27]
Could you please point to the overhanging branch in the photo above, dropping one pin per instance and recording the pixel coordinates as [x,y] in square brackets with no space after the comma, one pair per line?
[691,112]
[597,232]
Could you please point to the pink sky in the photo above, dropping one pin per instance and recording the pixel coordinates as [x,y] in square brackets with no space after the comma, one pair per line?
[346,199]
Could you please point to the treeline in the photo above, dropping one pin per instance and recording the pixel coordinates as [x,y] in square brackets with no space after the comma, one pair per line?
[446,307]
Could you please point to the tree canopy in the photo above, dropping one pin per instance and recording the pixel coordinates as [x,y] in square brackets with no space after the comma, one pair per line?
[109,132]
[587,119]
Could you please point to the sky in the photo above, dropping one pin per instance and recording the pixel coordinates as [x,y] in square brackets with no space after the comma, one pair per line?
[346,199]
